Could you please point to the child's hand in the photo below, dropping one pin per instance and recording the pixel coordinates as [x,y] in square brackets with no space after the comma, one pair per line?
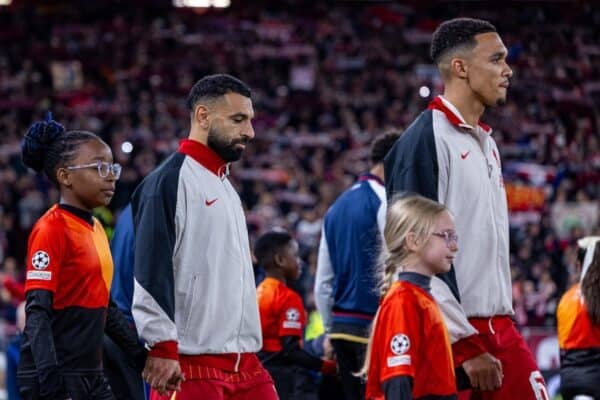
[327,348]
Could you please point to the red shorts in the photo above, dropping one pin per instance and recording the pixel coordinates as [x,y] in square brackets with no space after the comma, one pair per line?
[214,377]
[522,379]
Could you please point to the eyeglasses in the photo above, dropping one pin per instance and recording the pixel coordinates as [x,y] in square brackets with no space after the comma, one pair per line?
[104,168]
[450,237]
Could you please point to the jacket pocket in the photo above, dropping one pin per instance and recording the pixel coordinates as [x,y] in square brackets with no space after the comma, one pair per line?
[186,301]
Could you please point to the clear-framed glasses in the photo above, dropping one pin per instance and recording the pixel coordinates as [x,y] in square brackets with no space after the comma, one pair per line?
[104,168]
[450,237]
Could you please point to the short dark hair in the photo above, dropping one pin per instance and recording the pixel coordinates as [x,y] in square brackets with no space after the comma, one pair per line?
[455,33]
[270,244]
[214,86]
[382,145]
[47,147]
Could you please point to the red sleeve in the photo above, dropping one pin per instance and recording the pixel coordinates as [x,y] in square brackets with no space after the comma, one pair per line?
[45,253]
[467,348]
[292,317]
[398,334]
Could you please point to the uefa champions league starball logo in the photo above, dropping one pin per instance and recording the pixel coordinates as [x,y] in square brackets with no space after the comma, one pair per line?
[292,314]
[400,344]
[40,260]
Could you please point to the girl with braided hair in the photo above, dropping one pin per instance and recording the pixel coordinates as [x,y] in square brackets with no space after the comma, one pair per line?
[409,354]
[69,271]
[578,320]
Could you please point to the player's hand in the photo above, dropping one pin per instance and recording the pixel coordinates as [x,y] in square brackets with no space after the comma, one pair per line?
[163,374]
[484,372]
[174,384]
[327,348]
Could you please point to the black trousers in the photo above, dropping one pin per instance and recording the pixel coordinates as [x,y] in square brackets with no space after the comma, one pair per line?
[292,383]
[570,393]
[124,377]
[350,357]
[584,380]
[78,387]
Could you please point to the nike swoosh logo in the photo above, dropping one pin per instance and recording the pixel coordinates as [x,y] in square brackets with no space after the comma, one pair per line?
[210,202]
[464,155]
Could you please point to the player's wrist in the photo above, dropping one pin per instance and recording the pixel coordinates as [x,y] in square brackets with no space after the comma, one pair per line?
[467,348]
[167,349]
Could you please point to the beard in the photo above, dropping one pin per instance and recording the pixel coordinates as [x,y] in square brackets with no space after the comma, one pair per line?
[501,101]
[226,149]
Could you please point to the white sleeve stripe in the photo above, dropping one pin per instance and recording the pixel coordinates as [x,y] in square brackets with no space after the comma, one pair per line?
[324,282]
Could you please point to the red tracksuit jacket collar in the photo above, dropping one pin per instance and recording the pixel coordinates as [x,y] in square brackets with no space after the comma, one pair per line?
[204,155]
[439,103]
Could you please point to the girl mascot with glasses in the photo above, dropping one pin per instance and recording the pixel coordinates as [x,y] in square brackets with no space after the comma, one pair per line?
[409,354]
[69,271]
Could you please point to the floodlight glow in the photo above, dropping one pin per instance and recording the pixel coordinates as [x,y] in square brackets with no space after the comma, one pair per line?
[126,147]
[202,3]
[424,91]
[221,3]
[5,2]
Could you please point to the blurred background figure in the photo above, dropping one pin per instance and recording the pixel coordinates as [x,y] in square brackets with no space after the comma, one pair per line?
[578,319]
[346,285]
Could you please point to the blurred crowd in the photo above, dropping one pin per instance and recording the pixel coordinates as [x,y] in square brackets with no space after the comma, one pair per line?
[326,79]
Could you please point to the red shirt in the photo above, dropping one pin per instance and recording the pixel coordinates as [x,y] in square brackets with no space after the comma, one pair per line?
[575,328]
[281,313]
[411,339]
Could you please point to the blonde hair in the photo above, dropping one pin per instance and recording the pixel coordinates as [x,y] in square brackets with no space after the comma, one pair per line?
[409,214]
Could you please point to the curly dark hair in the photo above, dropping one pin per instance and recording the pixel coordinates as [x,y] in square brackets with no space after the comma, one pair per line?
[382,145]
[214,86]
[590,287]
[268,245]
[47,146]
[457,33]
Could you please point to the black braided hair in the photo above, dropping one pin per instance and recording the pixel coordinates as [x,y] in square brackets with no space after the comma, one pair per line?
[47,146]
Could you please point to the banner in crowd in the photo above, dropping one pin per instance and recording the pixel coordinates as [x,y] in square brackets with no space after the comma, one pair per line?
[524,198]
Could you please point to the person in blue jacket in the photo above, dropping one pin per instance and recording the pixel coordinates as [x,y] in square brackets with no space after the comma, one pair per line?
[345,286]
[125,378]
[12,356]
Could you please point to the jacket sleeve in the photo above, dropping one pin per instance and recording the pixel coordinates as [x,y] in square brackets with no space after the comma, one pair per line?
[411,166]
[122,332]
[122,247]
[153,307]
[38,331]
[293,353]
[324,283]
[463,336]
